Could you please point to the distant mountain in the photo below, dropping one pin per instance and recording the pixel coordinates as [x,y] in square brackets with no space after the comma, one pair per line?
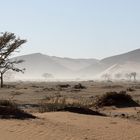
[126,63]
[75,64]
[133,56]
[123,63]
[92,70]
[37,64]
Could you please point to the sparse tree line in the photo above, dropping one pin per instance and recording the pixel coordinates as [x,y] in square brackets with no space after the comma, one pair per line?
[118,76]
[9,44]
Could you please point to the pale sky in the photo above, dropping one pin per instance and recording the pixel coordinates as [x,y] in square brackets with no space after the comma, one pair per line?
[73,28]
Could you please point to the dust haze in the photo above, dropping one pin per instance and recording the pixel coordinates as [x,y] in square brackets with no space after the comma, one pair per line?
[41,67]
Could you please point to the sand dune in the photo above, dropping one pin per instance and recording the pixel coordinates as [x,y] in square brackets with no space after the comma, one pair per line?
[69,126]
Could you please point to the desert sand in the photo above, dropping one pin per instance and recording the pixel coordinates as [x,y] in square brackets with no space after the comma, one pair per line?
[67,125]
[70,126]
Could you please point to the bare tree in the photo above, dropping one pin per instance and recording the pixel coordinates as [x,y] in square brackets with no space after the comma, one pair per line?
[134,74]
[9,65]
[47,75]
[106,76]
[128,76]
[9,43]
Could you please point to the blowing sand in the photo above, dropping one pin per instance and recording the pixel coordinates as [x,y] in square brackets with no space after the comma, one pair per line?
[69,126]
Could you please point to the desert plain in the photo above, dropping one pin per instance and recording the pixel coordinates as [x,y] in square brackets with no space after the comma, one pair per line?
[42,99]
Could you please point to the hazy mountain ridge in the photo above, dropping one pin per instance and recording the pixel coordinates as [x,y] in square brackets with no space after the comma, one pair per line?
[123,63]
[37,64]
[75,64]
[133,56]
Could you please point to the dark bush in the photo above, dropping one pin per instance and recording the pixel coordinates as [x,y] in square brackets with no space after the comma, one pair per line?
[120,99]
[9,110]
[8,103]
[64,85]
[79,86]
[130,89]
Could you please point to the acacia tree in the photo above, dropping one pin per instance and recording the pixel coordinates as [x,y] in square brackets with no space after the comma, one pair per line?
[10,65]
[131,75]
[9,43]
[47,75]
[128,76]
[106,76]
[134,74]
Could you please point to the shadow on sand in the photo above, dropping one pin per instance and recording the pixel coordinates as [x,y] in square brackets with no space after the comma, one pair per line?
[81,110]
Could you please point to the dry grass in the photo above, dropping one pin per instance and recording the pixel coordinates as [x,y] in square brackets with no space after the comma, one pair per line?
[59,103]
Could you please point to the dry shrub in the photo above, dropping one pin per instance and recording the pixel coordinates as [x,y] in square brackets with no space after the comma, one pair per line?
[118,99]
[8,103]
[112,86]
[51,104]
[9,110]
[79,86]
[130,89]
[64,86]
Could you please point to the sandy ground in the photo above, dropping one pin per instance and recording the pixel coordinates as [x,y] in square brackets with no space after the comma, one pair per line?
[33,92]
[70,126]
[66,125]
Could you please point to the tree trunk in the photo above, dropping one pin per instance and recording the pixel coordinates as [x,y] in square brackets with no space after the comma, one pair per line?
[134,78]
[1,77]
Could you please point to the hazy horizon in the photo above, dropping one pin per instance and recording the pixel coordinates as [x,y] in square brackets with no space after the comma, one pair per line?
[74,29]
[121,53]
